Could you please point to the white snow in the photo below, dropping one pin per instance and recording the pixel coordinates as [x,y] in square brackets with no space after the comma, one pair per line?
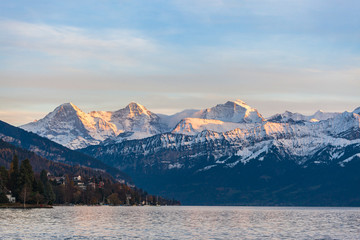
[175,165]
[232,111]
[73,128]
[252,152]
[317,116]
[342,163]
[357,110]
[206,168]
[248,135]
[192,126]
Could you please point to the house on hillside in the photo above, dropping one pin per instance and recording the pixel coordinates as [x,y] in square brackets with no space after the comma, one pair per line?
[58,180]
[77,179]
[81,185]
[11,198]
[92,185]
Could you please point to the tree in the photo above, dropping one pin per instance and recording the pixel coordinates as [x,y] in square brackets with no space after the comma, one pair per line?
[26,174]
[3,181]
[25,193]
[48,192]
[3,198]
[4,177]
[114,199]
[38,197]
[26,179]
[69,190]
[14,181]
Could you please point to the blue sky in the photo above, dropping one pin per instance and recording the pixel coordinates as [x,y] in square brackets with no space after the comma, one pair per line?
[276,55]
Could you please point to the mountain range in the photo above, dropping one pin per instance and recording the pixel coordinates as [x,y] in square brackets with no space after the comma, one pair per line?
[226,154]
[38,163]
[70,126]
[40,149]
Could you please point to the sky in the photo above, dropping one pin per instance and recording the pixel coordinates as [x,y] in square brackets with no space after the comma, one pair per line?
[170,55]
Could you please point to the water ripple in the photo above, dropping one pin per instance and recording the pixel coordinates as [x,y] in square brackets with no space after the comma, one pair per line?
[180,223]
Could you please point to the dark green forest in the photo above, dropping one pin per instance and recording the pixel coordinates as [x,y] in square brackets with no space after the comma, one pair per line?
[43,188]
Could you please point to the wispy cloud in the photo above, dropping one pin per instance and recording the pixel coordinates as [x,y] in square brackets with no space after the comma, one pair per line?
[275,54]
[117,47]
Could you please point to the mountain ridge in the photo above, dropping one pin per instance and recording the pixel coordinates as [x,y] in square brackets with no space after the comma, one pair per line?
[8,151]
[230,154]
[293,163]
[53,151]
[73,128]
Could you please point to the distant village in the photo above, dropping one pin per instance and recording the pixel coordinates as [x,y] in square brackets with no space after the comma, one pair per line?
[22,185]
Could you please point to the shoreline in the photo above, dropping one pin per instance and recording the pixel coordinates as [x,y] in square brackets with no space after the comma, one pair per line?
[27,206]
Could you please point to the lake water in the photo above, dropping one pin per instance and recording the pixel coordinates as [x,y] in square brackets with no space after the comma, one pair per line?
[180,222]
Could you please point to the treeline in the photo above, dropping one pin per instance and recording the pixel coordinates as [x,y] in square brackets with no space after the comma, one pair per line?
[28,187]
[54,151]
[7,152]
[20,182]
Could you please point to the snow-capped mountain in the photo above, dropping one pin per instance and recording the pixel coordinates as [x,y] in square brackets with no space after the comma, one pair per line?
[280,161]
[300,141]
[134,122]
[220,150]
[73,128]
[291,117]
[357,110]
[193,126]
[172,120]
[36,147]
[232,111]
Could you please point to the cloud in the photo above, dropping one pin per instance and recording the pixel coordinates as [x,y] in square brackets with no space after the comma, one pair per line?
[276,55]
[116,47]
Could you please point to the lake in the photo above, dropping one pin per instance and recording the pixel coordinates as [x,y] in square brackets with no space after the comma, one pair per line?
[180,222]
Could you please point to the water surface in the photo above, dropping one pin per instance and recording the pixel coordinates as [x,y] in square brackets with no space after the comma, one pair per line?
[180,222]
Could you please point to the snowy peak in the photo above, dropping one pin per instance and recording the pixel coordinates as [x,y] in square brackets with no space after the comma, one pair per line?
[287,116]
[240,103]
[134,121]
[193,126]
[67,106]
[133,110]
[172,120]
[294,117]
[357,110]
[73,128]
[133,115]
[233,111]
[70,126]
[65,110]
[321,115]
[64,113]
